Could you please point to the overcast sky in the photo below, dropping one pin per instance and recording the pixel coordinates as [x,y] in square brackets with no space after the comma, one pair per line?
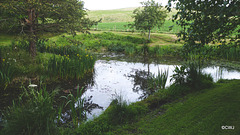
[115,4]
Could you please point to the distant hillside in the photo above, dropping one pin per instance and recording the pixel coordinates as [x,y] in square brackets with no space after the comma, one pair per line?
[117,15]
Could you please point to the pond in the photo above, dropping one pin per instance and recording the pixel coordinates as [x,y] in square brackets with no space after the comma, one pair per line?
[114,77]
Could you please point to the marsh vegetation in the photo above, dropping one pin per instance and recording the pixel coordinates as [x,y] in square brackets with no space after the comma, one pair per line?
[113,79]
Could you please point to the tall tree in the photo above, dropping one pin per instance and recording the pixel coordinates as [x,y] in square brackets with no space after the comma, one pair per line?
[34,17]
[150,16]
[205,21]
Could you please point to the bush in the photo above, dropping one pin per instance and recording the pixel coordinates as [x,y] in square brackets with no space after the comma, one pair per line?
[192,77]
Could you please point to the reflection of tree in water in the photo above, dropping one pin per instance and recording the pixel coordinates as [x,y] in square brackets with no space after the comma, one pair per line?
[141,80]
[88,106]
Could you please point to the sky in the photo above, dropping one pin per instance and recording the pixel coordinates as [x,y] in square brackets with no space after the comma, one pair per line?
[115,4]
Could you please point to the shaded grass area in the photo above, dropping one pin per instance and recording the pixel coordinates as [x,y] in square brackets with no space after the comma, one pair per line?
[6,39]
[203,112]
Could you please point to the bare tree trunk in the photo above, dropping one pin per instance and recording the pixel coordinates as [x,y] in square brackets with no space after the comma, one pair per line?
[32,47]
[149,32]
[32,37]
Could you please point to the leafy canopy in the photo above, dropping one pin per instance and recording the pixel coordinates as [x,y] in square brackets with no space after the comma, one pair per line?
[35,17]
[150,16]
[44,15]
[205,21]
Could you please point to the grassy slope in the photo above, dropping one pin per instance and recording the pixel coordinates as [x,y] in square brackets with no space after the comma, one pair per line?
[114,20]
[199,113]
[117,15]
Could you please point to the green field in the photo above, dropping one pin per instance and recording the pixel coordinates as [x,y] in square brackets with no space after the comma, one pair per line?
[122,26]
[115,20]
[117,15]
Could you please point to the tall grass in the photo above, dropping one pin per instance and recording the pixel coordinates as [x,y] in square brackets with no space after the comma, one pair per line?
[76,104]
[6,71]
[70,68]
[35,115]
[165,50]
[222,51]
[159,81]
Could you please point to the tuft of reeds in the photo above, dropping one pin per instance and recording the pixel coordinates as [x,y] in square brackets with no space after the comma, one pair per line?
[73,67]
[156,82]
[6,71]
[33,115]
[76,105]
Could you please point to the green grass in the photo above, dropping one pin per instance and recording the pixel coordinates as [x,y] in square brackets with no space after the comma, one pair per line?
[6,39]
[117,15]
[203,113]
[33,115]
[114,20]
[120,26]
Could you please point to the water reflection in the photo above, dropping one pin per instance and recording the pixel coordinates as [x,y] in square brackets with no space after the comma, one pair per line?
[141,83]
[130,79]
[88,106]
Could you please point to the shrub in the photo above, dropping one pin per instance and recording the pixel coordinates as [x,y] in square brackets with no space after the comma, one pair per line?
[191,76]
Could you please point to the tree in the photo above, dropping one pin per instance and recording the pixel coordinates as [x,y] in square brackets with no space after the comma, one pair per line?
[205,21]
[150,16]
[35,17]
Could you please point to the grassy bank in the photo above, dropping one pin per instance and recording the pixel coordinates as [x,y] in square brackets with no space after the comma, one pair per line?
[203,112]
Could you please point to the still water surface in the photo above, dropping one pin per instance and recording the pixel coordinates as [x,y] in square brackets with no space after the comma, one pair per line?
[117,77]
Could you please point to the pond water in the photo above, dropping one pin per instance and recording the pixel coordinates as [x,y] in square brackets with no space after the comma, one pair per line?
[120,78]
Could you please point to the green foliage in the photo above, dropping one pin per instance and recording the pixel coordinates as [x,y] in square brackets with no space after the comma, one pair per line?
[207,21]
[180,75]
[76,105]
[159,81]
[118,113]
[220,51]
[6,70]
[32,18]
[165,50]
[151,16]
[191,76]
[6,73]
[70,68]
[45,15]
[34,115]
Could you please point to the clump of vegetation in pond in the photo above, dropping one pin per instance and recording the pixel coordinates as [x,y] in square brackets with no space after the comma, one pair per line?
[76,104]
[190,77]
